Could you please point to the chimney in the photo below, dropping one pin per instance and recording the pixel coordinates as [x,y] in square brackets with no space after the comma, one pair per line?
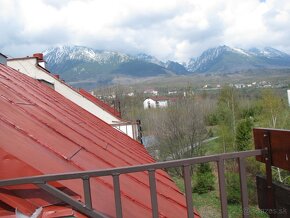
[40,60]
[3,59]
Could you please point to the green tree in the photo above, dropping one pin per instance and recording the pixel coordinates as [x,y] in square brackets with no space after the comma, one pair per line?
[233,188]
[227,110]
[272,108]
[244,134]
[205,179]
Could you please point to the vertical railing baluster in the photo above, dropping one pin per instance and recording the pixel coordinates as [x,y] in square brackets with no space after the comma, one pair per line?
[222,188]
[153,193]
[243,187]
[188,190]
[87,192]
[117,193]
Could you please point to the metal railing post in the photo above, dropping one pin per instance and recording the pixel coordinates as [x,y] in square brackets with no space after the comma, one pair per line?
[269,179]
[117,193]
[222,188]
[70,201]
[87,192]
[188,190]
[153,193]
[243,187]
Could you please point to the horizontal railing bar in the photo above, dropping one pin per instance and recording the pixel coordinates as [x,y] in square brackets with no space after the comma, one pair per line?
[129,169]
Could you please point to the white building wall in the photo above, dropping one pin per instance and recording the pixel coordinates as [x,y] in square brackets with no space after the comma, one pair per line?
[288,93]
[149,103]
[154,104]
[163,103]
[128,128]
[28,67]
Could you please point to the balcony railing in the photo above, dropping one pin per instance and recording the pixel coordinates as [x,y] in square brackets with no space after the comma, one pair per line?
[86,207]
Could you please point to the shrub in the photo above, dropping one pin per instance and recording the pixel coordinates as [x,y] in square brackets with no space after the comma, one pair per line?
[244,135]
[211,119]
[205,179]
[233,188]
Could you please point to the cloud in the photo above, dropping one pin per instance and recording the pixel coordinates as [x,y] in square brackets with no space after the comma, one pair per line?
[167,29]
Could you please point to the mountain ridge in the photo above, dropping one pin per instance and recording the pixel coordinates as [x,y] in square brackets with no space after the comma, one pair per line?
[79,63]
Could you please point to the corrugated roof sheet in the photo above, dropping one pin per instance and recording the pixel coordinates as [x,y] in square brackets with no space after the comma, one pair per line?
[41,132]
[100,103]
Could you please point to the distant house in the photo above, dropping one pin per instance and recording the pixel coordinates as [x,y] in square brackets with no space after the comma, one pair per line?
[157,102]
[172,92]
[35,67]
[130,94]
[288,93]
[240,86]
[151,92]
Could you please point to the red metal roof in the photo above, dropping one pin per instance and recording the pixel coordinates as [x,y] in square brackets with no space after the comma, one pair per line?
[41,132]
[100,103]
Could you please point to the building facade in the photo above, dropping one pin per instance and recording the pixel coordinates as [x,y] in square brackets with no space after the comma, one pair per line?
[34,67]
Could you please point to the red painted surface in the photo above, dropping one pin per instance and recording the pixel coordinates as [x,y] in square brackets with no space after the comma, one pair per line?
[39,56]
[41,132]
[100,103]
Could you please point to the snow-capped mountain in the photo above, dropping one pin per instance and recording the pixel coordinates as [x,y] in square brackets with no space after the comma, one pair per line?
[268,52]
[65,53]
[78,63]
[227,59]
[176,67]
[149,58]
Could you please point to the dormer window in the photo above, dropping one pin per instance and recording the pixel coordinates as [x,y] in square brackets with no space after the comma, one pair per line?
[3,59]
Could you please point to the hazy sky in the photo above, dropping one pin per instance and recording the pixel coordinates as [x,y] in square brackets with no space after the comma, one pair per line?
[167,29]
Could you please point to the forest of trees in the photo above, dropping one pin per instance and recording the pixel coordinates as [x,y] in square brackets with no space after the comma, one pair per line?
[210,123]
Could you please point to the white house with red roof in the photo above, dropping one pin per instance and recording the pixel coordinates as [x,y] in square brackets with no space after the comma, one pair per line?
[157,102]
[34,67]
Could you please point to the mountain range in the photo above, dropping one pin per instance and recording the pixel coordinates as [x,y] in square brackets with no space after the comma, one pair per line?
[81,65]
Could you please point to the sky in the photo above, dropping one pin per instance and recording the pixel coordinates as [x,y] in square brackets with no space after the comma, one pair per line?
[167,29]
